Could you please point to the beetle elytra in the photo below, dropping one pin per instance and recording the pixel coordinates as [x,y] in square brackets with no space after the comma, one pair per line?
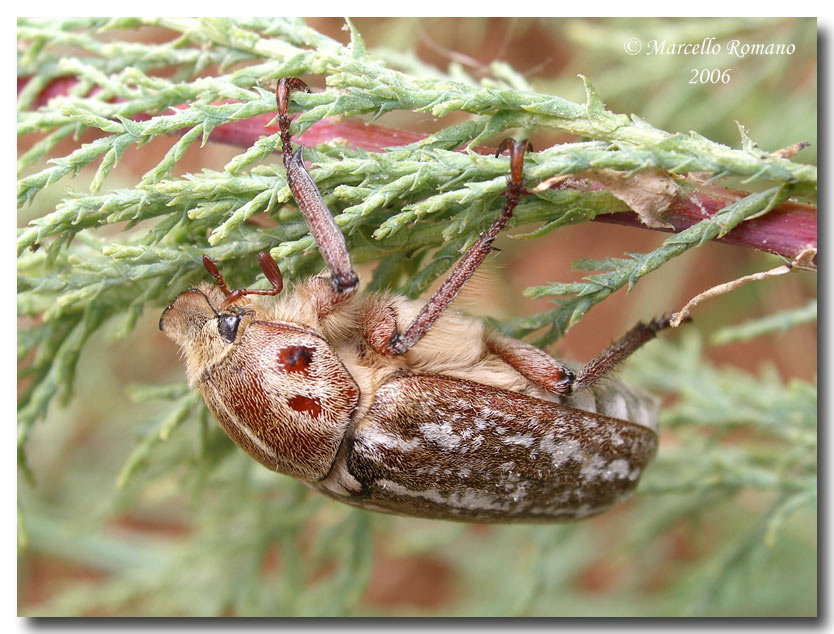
[404,406]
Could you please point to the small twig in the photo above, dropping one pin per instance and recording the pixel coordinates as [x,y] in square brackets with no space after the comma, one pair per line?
[802,261]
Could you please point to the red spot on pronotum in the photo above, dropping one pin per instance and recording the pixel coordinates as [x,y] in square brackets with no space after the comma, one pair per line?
[305,404]
[295,358]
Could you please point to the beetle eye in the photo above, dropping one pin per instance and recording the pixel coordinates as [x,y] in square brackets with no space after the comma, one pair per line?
[227,326]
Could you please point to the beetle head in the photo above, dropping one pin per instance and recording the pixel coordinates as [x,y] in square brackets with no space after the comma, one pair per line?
[204,328]
[277,388]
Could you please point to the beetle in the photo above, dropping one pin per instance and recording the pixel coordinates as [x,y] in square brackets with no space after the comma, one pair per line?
[406,406]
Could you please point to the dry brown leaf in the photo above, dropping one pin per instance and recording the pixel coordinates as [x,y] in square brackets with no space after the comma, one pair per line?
[553,182]
[788,152]
[699,178]
[648,193]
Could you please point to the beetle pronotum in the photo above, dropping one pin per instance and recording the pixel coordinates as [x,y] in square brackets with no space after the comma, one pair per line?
[406,406]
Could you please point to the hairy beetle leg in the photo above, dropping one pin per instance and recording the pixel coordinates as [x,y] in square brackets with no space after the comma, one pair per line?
[532,363]
[378,324]
[618,352]
[268,266]
[325,231]
[514,181]
[543,370]
[472,259]
[282,97]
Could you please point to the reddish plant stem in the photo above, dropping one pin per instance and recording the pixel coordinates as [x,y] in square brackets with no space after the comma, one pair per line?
[787,230]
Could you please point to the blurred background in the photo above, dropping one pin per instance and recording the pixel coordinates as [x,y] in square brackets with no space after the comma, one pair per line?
[191,536]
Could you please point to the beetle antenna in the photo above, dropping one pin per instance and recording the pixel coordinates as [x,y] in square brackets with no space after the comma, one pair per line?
[211,267]
[270,270]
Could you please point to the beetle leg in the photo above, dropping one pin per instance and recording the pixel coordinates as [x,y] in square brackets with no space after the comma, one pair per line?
[325,231]
[467,265]
[282,96]
[532,363]
[269,268]
[618,352]
[378,324]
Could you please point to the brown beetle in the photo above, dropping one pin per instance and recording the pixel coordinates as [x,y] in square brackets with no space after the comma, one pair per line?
[404,406]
